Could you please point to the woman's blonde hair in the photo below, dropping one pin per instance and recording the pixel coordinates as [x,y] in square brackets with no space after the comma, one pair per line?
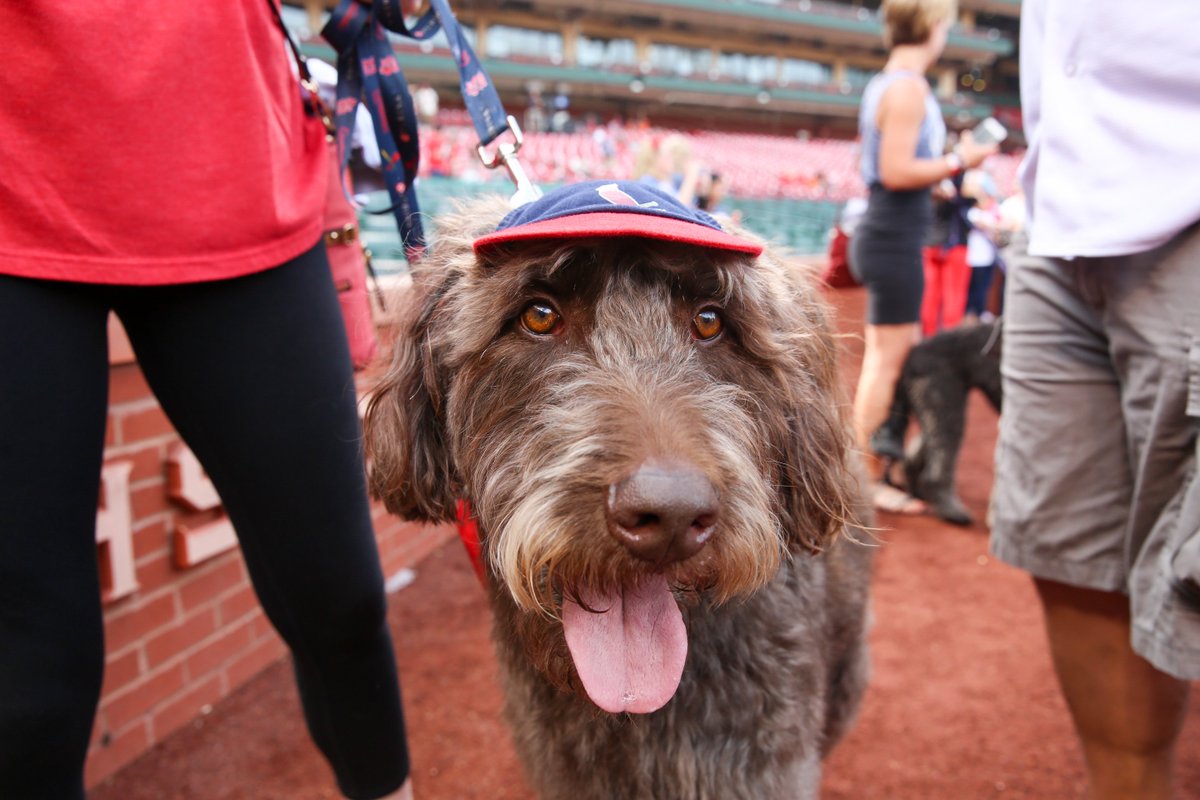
[912,21]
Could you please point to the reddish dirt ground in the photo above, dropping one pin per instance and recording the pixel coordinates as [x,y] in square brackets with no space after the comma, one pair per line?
[962,704]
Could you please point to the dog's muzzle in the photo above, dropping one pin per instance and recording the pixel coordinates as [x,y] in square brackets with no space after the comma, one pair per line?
[664,512]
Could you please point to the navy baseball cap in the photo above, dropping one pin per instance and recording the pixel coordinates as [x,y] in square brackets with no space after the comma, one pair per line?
[613,208]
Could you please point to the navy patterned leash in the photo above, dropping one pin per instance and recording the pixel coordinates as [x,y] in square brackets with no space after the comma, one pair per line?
[369,73]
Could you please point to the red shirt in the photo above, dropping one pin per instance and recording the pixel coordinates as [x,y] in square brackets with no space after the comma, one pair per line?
[152,143]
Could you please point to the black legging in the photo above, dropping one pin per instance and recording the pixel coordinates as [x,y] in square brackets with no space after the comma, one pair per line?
[255,375]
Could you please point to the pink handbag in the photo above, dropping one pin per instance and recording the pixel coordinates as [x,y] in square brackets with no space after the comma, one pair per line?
[349,261]
[348,265]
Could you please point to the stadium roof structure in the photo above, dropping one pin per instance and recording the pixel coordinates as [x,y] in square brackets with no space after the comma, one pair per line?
[828,22]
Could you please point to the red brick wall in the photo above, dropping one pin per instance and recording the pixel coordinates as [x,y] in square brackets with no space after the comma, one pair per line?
[186,637]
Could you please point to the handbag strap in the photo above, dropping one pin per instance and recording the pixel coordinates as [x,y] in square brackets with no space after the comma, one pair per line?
[311,95]
[368,72]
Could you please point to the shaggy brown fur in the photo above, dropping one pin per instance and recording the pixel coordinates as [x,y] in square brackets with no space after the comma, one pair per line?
[534,430]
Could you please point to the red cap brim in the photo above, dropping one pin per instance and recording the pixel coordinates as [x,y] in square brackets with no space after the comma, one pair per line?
[616,223]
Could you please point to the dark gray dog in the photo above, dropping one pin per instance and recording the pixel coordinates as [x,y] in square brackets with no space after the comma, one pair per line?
[651,437]
[933,388]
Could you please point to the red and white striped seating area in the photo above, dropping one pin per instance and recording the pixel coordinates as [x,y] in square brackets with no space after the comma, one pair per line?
[752,165]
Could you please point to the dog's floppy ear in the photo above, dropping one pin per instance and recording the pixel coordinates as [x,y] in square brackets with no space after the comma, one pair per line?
[819,485]
[410,468]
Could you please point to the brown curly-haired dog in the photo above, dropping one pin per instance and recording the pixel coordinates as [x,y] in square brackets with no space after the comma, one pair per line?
[651,438]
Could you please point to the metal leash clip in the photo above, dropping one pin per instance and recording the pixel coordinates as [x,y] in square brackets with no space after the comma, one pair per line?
[317,107]
[506,155]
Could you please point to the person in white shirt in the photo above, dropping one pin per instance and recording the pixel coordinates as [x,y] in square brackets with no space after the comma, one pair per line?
[1096,488]
[982,253]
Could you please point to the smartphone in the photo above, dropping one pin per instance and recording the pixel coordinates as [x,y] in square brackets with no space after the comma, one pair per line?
[989,131]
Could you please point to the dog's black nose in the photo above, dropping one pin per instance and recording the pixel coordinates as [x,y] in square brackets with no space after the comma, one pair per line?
[664,512]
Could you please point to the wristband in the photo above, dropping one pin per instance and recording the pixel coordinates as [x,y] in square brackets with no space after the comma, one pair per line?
[955,162]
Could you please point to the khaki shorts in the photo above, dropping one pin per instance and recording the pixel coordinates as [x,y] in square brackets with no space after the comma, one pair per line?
[1096,481]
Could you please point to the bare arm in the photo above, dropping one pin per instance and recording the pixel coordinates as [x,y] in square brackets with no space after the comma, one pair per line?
[901,110]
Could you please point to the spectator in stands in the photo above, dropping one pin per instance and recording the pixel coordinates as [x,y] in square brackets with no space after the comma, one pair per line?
[426,103]
[903,135]
[605,144]
[820,184]
[560,120]
[190,202]
[437,152]
[710,195]
[1096,489]
[535,109]
[667,164]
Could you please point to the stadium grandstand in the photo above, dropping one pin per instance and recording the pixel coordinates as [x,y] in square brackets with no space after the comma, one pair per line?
[765,91]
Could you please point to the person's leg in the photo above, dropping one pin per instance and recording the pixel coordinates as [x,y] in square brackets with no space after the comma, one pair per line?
[1127,713]
[887,441]
[1133,722]
[956,275]
[1063,482]
[985,288]
[1096,357]
[885,349]
[931,300]
[255,374]
[977,291]
[53,358]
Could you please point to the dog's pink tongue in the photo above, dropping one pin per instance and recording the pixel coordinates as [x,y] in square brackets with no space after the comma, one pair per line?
[630,653]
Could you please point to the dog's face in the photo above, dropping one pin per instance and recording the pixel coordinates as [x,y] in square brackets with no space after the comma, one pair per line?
[635,424]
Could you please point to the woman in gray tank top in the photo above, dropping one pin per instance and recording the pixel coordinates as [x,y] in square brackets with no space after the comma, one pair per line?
[903,137]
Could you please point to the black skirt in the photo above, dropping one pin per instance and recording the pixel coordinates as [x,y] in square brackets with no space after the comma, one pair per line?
[885,253]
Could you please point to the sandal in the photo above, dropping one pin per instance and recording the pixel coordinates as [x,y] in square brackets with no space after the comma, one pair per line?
[894,501]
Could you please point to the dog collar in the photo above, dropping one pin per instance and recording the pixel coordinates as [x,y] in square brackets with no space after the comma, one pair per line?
[609,209]
[468,531]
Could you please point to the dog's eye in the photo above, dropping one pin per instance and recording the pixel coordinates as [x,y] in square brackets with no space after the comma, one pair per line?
[540,318]
[707,324]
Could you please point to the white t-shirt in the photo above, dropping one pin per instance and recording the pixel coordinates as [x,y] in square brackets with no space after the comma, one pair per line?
[363,135]
[981,252]
[1110,92]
